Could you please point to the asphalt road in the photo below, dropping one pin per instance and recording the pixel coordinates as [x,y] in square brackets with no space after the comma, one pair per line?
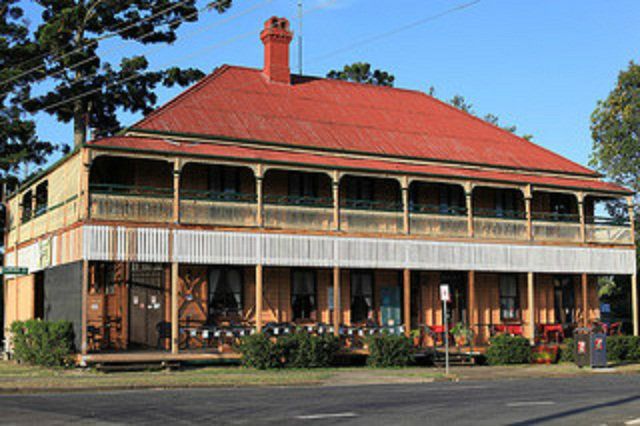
[593,400]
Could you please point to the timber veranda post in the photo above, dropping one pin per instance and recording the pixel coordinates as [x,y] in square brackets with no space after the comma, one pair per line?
[531,307]
[258,313]
[407,301]
[634,302]
[337,311]
[472,306]
[584,280]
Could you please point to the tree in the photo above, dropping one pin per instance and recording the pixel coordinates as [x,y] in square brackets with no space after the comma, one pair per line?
[360,72]
[461,103]
[68,40]
[18,140]
[615,130]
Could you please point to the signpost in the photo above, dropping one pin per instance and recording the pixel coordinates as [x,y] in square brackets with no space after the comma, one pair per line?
[445,297]
[14,270]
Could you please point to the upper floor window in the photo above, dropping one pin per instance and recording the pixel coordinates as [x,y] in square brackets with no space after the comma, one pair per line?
[360,188]
[42,196]
[225,292]
[361,296]
[509,302]
[451,199]
[560,205]
[507,203]
[27,206]
[303,184]
[224,179]
[303,295]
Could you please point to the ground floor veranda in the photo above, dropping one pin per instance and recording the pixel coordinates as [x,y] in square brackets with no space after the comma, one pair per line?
[130,306]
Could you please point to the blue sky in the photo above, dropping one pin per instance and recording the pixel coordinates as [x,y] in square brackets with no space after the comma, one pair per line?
[539,64]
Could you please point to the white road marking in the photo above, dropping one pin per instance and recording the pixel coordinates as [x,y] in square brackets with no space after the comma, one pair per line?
[326,416]
[633,422]
[529,403]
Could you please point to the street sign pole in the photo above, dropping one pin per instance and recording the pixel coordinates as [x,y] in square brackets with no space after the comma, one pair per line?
[445,297]
[446,338]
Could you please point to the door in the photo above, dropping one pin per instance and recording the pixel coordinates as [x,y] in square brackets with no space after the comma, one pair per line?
[390,306]
[146,304]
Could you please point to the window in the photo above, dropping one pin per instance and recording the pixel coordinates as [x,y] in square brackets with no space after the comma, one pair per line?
[303,295]
[359,188]
[509,302]
[303,184]
[361,296]
[450,199]
[27,206]
[560,205]
[225,293]
[506,203]
[42,195]
[224,179]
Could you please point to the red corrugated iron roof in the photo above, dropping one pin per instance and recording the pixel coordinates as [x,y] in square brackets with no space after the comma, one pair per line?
[274,155]
[239,103]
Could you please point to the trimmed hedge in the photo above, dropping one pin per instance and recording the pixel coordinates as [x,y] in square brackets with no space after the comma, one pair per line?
[388,350]
[46,343]
[505,349]
[298,350]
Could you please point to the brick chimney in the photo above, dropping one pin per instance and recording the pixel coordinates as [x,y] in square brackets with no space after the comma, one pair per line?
[276,37]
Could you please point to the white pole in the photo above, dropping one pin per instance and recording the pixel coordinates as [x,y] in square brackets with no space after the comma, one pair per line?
[446,338]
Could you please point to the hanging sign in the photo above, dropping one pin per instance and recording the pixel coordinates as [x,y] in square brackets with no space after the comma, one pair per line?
[445,296]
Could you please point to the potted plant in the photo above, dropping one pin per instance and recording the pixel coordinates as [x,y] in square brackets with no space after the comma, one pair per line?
[461,334]
[416,336]
[544,354]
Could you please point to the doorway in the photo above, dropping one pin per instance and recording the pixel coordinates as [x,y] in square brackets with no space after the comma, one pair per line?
[564,299]
[390,306]
[457,308]
[146,305]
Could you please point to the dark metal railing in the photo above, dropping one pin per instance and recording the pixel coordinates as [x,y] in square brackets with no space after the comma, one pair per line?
[372,205]
[437,209]
[499,213]
[304,201]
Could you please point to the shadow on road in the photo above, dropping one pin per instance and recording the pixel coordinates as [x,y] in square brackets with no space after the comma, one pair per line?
[575,411]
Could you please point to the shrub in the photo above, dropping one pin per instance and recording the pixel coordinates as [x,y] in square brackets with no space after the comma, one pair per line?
[46,343]
[299,350]
[258,351]
[387,350]
[568,352]
[505,349]
[302,350]
[623,348]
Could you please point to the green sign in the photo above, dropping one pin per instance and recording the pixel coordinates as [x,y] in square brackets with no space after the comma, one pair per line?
[14,270]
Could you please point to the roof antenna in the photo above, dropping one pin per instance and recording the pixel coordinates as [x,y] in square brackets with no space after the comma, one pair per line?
[300,37]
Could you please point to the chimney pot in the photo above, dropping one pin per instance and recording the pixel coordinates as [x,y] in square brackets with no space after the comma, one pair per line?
[276,37]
